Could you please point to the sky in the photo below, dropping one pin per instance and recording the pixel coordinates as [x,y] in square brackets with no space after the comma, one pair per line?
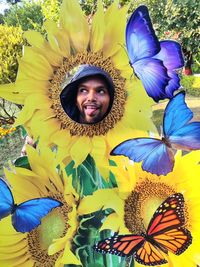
[3,6]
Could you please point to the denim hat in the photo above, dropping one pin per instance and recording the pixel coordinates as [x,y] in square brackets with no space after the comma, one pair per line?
[69,93]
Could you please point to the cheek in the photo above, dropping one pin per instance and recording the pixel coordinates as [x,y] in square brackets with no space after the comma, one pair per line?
[106,102]
[79,100]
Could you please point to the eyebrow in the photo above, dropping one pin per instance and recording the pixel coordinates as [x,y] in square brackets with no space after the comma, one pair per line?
[99,86]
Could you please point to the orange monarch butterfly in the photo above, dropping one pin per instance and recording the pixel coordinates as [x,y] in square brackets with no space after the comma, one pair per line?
[165,233]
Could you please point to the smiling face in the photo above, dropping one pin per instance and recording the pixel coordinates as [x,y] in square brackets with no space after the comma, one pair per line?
[93,99]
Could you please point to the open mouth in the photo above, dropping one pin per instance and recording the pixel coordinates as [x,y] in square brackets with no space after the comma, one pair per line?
[90,109]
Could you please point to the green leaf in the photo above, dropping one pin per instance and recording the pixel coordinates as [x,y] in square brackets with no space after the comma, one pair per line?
[22,162]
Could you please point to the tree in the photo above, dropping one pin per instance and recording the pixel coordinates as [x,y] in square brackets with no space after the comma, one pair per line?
[180,20]
[27,15]
[51,9]
[183,17]
[11,42]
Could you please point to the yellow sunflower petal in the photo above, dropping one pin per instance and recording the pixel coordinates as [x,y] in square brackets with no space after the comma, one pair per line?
[39,125]
[115,29]
[99,151]
[19,261]
[10,93]
[61,138]
[31,103]
[42,46]
[80,149]
[34,65]
[97,29]
[58,38]
[27,87]
[69,258]
[73,20]
[110,223]
[101,199]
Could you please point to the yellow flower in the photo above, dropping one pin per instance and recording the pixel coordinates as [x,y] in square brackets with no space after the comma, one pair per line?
[50,243]
[138,196]
[45,65]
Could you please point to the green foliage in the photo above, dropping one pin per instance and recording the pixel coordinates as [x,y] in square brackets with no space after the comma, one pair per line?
[27,15]
[191,84]
[51,9]
[10,48]
[178,20]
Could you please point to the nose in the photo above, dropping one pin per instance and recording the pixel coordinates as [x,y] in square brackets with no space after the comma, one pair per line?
[91,95]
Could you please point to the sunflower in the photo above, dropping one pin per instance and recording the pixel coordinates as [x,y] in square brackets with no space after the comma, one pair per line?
[50,243]
[138,196]
[43,70]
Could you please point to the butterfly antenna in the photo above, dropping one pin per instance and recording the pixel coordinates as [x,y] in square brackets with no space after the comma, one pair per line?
[124,47]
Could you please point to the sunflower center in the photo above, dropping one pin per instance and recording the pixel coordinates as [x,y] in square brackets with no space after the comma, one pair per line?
[53,226]
[143,202]
[117,109]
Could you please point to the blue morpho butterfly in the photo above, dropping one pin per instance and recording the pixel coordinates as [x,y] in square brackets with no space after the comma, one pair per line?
[178,133]
[27,215]
[154,62]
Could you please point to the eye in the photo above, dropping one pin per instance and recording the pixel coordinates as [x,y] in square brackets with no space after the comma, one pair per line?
[82,90]
[101,91]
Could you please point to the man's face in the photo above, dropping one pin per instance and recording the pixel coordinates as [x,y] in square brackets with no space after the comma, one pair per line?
[92,99]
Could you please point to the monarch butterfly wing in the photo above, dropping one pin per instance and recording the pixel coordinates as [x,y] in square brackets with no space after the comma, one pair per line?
[154,77]
[175,240]
[156,157]
[168,216]
[141,40]
[121,245]
[6,199]
[148,254]
[28,215]
[176,115]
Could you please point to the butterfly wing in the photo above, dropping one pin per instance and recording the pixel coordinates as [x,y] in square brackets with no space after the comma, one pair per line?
[171,55]
[181,133]
[142,44]
[121,245]
[28,215]
[154,77]
[150,255]
[172,58]
[6,200]
[176,240]
[156,156]
[187,138]
[141,40]
[131,245]
[176,115]
[165,227]
[174,82]
[169,215]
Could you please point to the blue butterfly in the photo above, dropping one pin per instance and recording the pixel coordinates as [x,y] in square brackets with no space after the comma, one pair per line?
[153,62]
[27,215]
[179,133]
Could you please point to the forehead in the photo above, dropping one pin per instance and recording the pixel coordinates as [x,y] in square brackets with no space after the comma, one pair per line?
[93,80]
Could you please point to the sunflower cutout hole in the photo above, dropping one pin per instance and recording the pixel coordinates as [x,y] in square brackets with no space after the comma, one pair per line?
[88,95]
